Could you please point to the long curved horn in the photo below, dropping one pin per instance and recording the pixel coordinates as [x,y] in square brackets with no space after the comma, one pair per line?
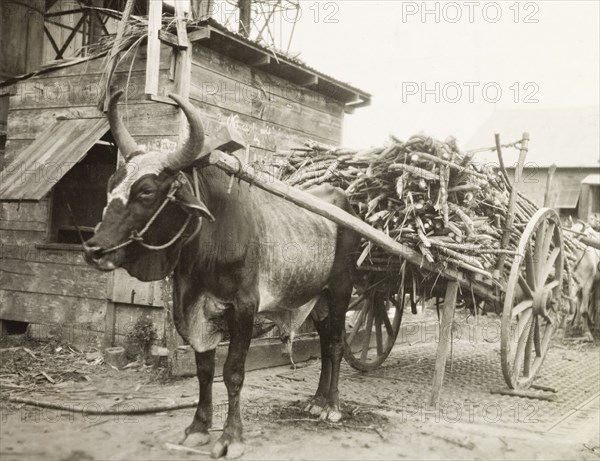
[193,145]
[124,140]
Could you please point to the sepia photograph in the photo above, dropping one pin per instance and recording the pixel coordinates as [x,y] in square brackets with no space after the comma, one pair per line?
[299,230]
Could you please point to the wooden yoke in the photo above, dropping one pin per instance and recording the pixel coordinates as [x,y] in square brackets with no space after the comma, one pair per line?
[226,139]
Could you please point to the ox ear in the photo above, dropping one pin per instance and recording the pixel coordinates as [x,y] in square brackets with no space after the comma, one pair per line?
[192,204]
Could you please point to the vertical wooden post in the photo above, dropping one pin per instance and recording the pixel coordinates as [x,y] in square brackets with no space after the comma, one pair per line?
[103,102]
[110,317]
[444,341]
[183,75]
[548,202]
[183,65]
[153,50]
[245,7]
[512,203]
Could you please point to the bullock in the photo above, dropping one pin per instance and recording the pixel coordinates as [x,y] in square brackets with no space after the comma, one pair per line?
[586,273]
[235,251]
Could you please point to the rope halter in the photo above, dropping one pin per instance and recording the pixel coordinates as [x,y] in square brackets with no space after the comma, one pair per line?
[138,237]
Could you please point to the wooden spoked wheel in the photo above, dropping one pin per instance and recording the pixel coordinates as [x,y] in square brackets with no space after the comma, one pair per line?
[532,304]
[372,330]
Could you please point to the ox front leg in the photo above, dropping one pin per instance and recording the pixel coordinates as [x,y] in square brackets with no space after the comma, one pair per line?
[240,329]
[332,411]
[319,401]
[196,433]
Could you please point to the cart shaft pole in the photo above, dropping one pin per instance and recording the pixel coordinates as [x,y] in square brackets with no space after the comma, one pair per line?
[269,183]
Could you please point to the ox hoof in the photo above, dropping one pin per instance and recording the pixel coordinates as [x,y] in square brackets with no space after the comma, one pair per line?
[315,407]
[331,414]
[196,439]
[224,446]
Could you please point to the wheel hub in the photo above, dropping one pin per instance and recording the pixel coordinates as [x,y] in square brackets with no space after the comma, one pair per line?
[542,301]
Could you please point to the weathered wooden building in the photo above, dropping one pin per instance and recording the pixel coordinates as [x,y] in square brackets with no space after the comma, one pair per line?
[59,155]
[564,137]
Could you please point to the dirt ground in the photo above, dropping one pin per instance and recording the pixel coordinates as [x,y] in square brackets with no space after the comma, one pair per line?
[377,424]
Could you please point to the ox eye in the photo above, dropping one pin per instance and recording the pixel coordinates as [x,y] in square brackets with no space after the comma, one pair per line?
[146,194]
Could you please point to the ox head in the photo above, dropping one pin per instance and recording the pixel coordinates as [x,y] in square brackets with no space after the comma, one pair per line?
[148,194]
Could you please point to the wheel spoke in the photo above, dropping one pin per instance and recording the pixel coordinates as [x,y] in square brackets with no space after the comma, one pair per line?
[537,253]
[379,335]
[552,285]
[368,328]
[527,356]
[525,287]
[388,326]
[354,303]
[530,268]
[359,322]
[521,324]
[547,240]
[536,338]
[523,339]
[522,306]
[548,266]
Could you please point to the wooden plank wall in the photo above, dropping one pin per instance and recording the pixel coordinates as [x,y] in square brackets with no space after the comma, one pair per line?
[534,181]
[269,112]
[21,36]
[56,286]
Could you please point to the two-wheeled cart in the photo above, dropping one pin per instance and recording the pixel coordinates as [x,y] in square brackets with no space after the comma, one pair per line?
[529,292]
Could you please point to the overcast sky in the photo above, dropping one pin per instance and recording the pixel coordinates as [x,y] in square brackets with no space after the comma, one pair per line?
[483,56]
[443,67]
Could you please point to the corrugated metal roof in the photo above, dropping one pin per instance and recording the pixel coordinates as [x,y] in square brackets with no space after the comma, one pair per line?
[54,152]
[215,25]
[567,137]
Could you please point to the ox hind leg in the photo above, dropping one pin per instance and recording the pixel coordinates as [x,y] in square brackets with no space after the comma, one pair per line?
[240,322]
[586,296]
[196,433]
[331,329]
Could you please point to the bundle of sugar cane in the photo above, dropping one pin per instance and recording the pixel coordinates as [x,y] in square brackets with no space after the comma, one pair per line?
[423,192]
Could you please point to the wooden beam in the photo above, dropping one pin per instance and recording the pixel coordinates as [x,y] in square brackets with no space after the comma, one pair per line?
[247,173]
[180,23]
[264,60]
[161,99]
[198,35]
[309,81]
[66,12]
[153,53]
[71,36]
[51,39]
[548,193]
[444,342]
[354,103]
[183,66]
[170,39]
